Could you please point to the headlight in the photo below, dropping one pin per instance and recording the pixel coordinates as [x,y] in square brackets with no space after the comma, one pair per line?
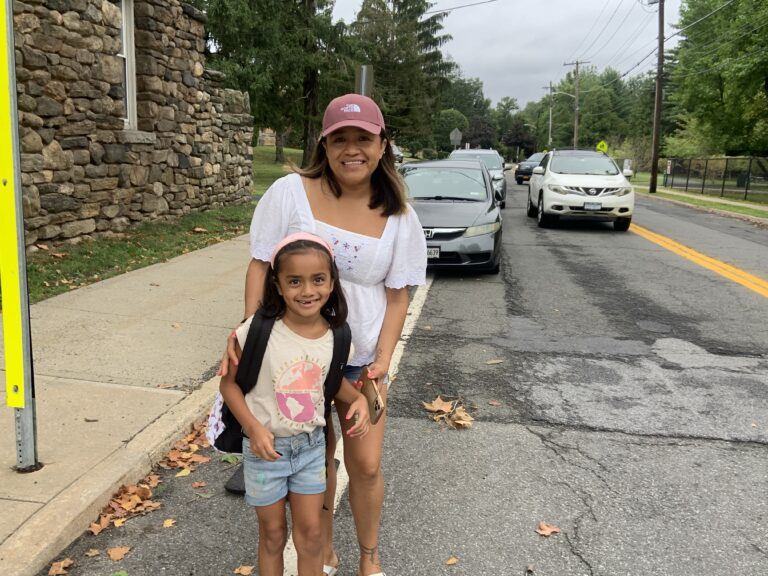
[482,229]
[624,191]
[559,189]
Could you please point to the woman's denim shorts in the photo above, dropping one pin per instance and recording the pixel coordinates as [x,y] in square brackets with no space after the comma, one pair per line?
[300,469]
[352,373]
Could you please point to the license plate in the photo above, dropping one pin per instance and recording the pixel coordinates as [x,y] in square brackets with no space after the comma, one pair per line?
[433,252]
[592,206]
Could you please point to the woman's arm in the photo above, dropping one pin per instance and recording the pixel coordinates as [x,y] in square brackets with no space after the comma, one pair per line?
[391,329]
[254,289]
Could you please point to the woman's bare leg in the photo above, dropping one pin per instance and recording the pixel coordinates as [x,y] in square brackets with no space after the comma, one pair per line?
[362,457]
[329,554]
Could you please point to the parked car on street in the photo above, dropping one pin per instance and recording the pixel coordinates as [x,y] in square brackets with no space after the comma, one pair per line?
[525,168]
[459,211]
[493,162]
[397,152]
[580,183]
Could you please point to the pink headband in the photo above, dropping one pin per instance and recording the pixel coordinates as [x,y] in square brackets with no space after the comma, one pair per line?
[295,238]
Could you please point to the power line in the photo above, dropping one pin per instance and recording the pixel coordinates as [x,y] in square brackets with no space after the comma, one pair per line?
[594,23]
[615,31]
[715,11]
[613,14]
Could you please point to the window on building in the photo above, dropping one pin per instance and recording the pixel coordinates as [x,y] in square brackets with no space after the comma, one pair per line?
[127,54]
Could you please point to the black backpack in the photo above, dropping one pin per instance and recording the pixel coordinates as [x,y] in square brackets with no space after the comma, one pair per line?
[231,438]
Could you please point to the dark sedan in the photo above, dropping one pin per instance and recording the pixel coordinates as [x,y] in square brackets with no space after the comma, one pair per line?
[525,168]
[459,212]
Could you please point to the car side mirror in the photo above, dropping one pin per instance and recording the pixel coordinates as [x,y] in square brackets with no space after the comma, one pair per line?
[538,170]
[628,174]
[497,177]
[507,167]
[498,196]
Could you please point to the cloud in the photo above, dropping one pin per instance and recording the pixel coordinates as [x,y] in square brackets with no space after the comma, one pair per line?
[517,48]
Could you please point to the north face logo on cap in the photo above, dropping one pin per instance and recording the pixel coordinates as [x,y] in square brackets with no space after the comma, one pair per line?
[351,108]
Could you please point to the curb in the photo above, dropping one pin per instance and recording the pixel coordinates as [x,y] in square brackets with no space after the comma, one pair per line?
[718,211]
[44,535]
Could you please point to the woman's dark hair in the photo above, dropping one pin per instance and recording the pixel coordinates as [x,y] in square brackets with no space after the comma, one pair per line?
[388,187]
[273,304]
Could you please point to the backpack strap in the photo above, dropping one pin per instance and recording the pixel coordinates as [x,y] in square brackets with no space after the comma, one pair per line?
[253,352]
[342,339]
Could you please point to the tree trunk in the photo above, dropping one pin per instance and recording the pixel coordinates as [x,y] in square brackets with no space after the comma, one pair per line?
[279,144]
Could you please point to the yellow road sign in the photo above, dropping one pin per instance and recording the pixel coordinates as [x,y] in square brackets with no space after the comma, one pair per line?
[602,146]
[11,226]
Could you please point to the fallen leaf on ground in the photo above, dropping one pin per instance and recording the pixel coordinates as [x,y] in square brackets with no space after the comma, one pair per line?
[547,529]
[452,560]
[42,246]
[199,229]
[244,570]
[199,484]
[118,522]
[118,553]
[495,361]
[529,569]
[438,405]
[168,523]
[184,472]
[60,567]
[494,402]
[91,552]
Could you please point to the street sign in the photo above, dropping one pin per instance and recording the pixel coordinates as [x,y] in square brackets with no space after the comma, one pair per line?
[455,137]
[602,146]
[19,382]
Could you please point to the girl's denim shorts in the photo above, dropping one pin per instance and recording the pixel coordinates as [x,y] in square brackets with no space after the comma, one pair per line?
[300,469]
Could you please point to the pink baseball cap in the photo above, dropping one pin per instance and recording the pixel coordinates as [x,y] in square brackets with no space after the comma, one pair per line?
[294,238]
[353,110]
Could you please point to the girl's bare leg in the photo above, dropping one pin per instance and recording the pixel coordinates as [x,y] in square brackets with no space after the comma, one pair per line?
[362,457]
[273,533]
[329,554]
[306,513]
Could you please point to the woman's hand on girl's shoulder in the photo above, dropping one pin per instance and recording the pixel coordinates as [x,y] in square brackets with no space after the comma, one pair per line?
[231,357]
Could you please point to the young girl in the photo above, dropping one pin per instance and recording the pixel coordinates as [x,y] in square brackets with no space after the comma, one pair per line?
[283,415]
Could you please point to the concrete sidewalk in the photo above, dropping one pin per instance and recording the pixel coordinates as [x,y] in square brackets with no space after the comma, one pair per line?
[122,368]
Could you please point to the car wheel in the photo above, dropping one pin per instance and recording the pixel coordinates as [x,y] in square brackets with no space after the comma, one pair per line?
[622,224]
[519,181]
[503,204]
[532,211]
[542,219]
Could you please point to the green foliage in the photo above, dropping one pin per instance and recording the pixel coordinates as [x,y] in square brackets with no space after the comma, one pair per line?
[720,74]
[445,122]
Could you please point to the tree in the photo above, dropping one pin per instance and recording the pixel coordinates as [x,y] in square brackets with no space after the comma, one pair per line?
[480,133]
[446,121]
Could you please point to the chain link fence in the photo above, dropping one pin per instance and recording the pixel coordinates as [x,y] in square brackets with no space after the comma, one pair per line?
[739,178]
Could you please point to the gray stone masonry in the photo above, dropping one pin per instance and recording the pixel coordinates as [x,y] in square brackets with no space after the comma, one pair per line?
[84,174]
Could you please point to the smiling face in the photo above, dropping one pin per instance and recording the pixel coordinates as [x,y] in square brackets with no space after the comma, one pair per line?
[354,154]
[305,282]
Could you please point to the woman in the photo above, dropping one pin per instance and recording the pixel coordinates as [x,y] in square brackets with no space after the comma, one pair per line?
[352,196]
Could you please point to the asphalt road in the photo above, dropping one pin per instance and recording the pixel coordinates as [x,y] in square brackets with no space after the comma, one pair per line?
[620,393]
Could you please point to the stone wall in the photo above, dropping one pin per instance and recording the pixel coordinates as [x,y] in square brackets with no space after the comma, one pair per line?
[83,173]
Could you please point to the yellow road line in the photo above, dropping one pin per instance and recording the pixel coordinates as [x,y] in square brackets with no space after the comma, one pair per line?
[737,275]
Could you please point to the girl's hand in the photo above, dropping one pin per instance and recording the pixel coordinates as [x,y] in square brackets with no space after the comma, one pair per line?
[358,413]
[230,355]
[263,443]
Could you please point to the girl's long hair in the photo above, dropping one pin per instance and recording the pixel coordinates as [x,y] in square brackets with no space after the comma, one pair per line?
[273,304]
[388,187]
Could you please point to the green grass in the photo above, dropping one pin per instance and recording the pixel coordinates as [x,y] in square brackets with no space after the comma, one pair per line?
[65,267]
[702,202]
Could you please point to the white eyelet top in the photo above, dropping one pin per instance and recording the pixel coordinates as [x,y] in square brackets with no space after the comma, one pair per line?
[366,264]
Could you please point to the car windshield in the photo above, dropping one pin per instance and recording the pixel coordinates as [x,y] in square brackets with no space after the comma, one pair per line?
[491,160]
[535,157]
[445,183]
[593,165]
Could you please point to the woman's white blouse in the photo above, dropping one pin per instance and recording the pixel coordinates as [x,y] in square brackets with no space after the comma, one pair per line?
[366,265]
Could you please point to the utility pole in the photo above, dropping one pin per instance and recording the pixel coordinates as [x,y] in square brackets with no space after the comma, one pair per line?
[549,139]
[576,112]
[658,102]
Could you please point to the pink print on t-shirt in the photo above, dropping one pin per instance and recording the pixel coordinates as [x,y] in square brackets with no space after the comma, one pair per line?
[298,389]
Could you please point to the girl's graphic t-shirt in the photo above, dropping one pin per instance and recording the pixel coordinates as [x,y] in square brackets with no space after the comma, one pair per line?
[289,397]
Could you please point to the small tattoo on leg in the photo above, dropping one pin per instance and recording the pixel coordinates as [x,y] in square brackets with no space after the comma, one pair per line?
[370,553]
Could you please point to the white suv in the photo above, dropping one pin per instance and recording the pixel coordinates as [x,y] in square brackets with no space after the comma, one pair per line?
[580,183]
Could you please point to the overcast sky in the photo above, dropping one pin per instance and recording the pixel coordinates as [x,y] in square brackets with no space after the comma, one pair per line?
[515,47]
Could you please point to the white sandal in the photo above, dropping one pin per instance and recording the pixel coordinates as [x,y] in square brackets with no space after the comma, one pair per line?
[330,570]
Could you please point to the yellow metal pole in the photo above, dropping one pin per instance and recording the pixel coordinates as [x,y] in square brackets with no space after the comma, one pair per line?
[19,382]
